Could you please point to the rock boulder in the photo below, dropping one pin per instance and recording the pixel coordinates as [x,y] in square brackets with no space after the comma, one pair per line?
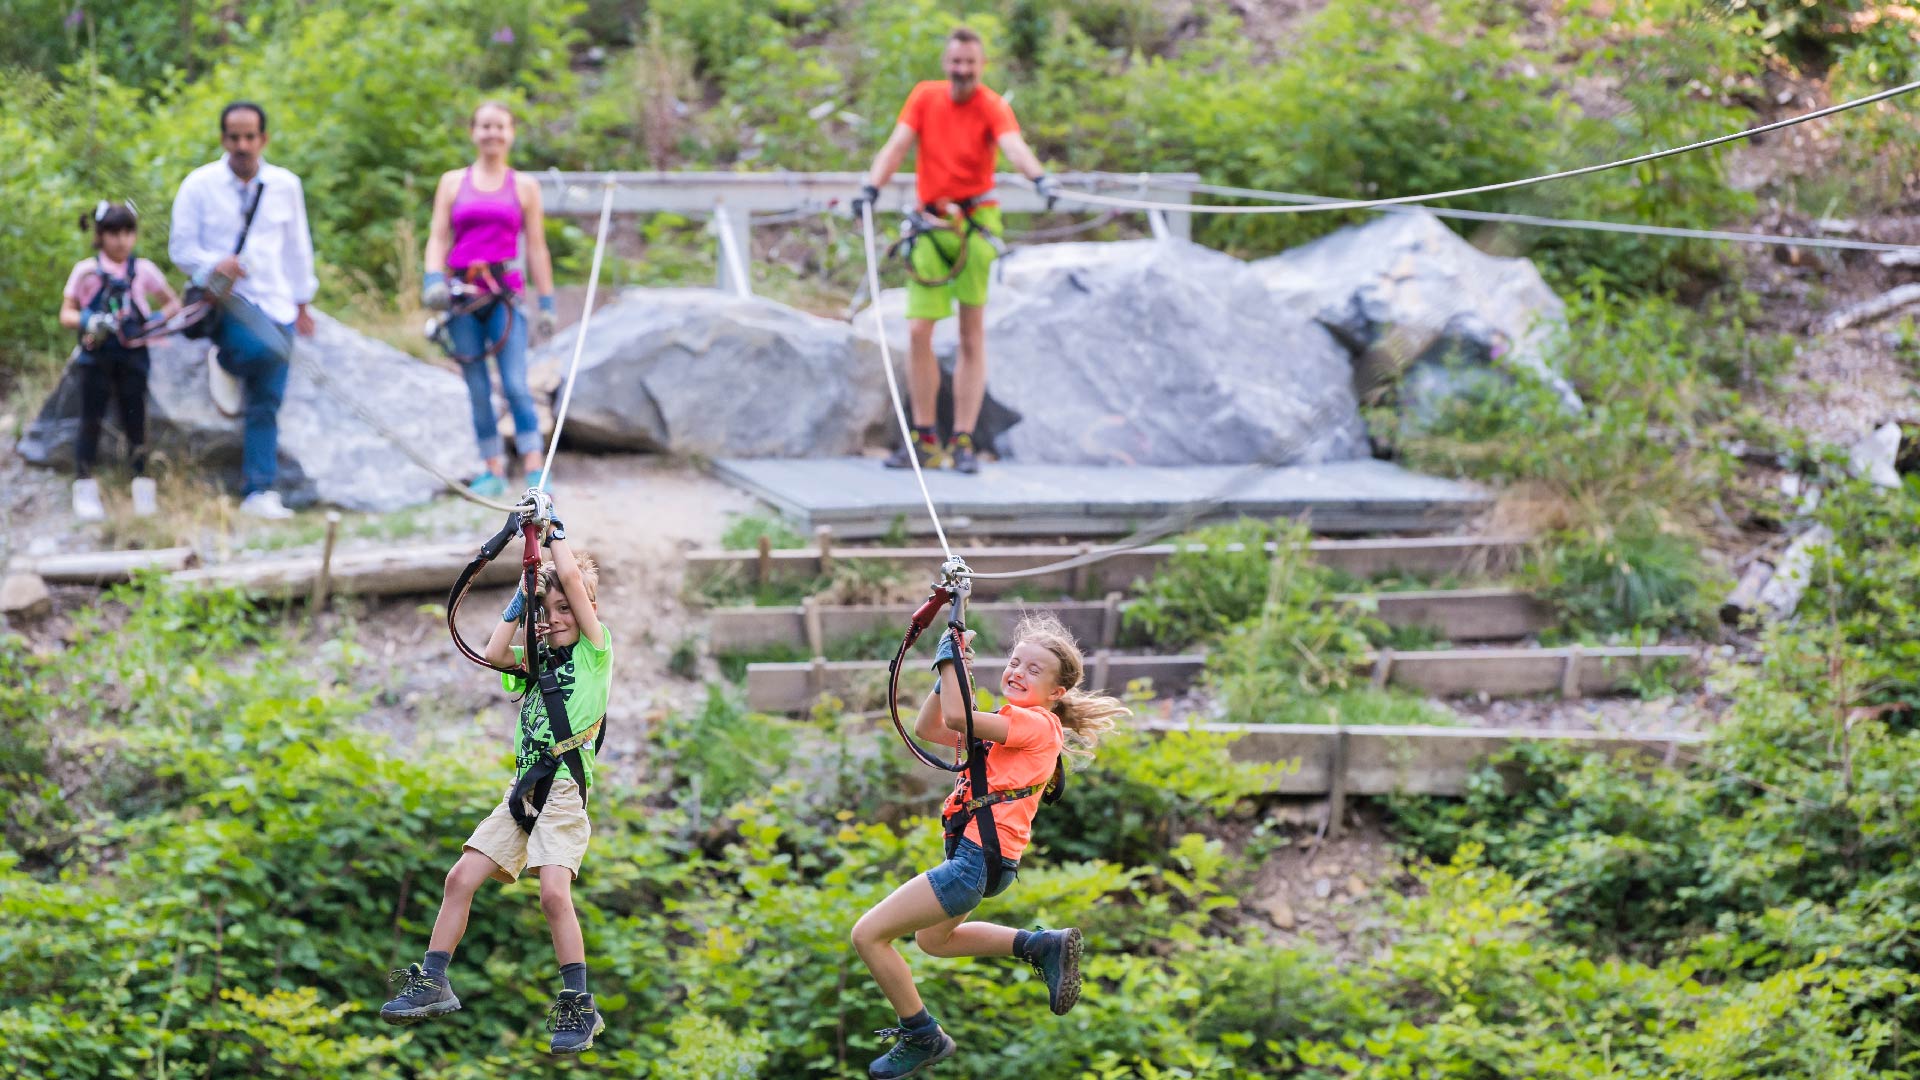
[1420,307]
[1155,354]
[703,371]
[328,454]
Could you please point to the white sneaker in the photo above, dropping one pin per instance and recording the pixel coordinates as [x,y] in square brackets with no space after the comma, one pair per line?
[146,497]
[86,501]
[224,388]
[265,504]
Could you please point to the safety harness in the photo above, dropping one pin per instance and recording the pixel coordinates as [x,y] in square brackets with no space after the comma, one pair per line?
[926,220]
[115,298]
[953,587]
[476,289]
[541,672]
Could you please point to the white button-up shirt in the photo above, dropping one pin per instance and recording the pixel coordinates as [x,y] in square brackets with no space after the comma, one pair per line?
[207,214]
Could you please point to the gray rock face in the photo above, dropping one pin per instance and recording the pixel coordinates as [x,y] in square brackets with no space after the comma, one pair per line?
[328,454]
[703,371]
[1154,354]
[1419,306]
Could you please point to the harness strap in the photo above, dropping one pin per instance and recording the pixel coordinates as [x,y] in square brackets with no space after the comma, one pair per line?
[534,785]
[925,221]
[488,274]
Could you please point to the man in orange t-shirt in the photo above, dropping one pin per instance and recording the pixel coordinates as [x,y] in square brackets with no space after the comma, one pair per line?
[961,127]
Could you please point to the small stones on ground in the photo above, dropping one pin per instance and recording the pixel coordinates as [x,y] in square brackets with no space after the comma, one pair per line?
[1323,888]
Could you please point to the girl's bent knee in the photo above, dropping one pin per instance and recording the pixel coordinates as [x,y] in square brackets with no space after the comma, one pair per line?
[933,944]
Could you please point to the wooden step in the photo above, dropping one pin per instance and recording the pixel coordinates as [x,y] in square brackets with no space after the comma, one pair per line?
[385,571]
[1368,558]
[1570,672]
[1341,760]
[1455,614]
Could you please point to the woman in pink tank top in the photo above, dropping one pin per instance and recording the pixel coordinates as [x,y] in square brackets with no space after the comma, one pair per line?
[481,216]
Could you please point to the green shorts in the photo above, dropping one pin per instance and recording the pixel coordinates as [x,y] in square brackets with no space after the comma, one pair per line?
[932,258]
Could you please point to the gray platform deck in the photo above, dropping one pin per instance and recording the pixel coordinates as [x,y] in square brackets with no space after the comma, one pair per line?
[860,499]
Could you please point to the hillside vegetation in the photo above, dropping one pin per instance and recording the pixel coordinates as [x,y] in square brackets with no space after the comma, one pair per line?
[208,862]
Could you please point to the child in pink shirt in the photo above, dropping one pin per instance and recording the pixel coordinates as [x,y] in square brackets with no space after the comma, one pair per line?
[108,299]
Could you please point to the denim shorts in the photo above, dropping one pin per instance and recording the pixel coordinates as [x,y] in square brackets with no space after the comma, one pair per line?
[960,883]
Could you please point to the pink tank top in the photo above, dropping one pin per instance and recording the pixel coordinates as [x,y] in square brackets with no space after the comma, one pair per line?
[486,227]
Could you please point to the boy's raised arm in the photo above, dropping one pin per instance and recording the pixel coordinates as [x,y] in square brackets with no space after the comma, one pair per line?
[567,571]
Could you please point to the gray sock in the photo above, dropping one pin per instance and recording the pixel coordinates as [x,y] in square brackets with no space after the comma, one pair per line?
[436,964]
[575,977]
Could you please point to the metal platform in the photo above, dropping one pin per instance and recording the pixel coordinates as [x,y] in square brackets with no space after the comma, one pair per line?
[858,498]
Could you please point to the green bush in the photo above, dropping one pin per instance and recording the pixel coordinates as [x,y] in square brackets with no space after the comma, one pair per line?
[1636,582]
[1216,577]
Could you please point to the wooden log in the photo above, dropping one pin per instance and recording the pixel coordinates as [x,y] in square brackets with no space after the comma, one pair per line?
[1868,310]
[1337,770]
[1367,558]
[1457,615]
[324,579]
[1442,673]
[104,567]
[747,628]
[1416,760]
[379,572]
[823,543]
[786,687]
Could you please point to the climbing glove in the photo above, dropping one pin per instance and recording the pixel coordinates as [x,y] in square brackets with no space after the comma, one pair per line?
[1048,188]
[869,196]
[435,293]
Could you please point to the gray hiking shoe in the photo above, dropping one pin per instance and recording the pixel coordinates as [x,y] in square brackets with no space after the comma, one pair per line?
[574,1022]
[1055,955]
[422,997]
[914,1051]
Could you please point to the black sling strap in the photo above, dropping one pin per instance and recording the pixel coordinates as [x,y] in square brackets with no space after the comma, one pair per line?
[537,782]
[204,326]
[981,799]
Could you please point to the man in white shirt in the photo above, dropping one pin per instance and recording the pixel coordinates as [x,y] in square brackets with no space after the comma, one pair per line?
[265,277]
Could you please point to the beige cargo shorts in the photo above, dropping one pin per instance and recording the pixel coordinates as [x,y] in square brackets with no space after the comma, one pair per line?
[559,836]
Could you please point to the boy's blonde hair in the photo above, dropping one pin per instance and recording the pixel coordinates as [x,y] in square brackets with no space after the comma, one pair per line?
[1085,715]
[589,573]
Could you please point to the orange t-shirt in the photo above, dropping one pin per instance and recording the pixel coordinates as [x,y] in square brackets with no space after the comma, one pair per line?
[1034,742]
[958,141]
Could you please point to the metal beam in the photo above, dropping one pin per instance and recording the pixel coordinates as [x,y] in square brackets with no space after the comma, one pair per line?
[770,192]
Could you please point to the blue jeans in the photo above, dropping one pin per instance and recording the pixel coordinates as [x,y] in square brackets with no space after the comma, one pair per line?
[960,883]
[255,350]
[473,335]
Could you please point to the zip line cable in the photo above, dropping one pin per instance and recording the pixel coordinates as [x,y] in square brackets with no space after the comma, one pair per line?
[893,381]
[580,338]
[1504,185]
[1673,232]
[1175,520]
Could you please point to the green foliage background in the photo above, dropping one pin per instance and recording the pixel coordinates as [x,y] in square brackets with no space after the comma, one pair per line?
[368,100]
[209,865]
[207,862]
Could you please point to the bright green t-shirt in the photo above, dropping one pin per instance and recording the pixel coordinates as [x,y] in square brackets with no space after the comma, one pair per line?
[585,674]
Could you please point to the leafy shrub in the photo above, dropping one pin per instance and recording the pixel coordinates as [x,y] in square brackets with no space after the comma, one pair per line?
[1144,790]
[1299,645]
[1635,581]
[1216,577]
[743,533]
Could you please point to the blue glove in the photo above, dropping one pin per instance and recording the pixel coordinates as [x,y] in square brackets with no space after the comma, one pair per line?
[557,532]
[949,650]
[546,322]
[434,292]
[515,608]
